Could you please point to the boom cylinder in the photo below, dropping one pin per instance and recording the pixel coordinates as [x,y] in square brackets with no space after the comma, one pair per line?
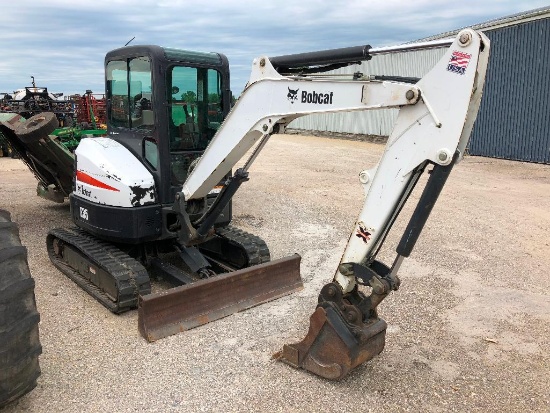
[348,55]
[322,57]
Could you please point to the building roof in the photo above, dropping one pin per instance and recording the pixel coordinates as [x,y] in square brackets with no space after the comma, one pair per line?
[523,17]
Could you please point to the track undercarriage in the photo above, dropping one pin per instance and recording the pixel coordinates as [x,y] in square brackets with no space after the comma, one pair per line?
[116,276]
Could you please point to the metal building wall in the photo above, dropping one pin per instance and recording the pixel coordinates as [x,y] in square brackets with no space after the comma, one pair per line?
[514,118]
[376,122]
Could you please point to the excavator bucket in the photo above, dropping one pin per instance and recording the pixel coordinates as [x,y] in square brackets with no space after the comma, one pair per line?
[182,308]
[332,346]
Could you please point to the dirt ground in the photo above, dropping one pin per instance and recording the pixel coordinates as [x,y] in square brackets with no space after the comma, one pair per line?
[467,331]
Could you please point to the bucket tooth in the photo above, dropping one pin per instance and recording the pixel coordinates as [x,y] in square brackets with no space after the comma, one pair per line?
[333,346]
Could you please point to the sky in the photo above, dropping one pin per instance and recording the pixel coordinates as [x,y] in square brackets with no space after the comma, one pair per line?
[62,43]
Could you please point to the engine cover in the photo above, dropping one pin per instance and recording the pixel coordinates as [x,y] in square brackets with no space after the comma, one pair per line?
[109,174]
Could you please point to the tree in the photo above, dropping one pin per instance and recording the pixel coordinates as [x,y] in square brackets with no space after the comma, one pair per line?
[213,98]
[189,96]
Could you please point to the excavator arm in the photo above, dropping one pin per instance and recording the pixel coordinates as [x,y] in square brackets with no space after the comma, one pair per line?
[435,120]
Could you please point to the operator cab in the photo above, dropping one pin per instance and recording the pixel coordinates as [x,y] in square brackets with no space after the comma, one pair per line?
[165,105]
[163,108]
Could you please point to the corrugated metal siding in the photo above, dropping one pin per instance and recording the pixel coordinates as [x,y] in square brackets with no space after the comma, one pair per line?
[514,120]
[376,122]
[523,17]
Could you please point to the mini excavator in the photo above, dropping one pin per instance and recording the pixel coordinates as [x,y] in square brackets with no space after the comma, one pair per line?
[153,198]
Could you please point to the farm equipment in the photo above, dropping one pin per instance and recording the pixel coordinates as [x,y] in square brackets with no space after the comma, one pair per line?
[32,100]
[90,110]
[44,153]
[49,153]
[153,197]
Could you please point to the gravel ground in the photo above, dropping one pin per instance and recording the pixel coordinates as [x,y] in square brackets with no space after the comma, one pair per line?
[468,330]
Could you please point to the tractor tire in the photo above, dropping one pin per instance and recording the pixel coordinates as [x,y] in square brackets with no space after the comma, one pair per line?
[68,122]
[37,127]
[19,340]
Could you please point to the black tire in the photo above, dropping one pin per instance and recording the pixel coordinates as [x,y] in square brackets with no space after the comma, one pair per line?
[68,122]
[37,127]
[19,340]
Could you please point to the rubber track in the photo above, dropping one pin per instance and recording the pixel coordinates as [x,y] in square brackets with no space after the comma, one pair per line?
[130,275]
[254,247]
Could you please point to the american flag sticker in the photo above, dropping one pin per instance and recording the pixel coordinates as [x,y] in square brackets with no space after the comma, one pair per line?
[459,62]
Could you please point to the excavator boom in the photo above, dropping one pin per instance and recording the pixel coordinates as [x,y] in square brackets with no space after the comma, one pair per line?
[345,330]
[433,127]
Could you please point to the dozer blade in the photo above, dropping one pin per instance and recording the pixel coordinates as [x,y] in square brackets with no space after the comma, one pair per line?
[182,308]
[333,347]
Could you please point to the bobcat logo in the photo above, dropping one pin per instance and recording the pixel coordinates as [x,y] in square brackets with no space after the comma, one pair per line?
[292,95]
